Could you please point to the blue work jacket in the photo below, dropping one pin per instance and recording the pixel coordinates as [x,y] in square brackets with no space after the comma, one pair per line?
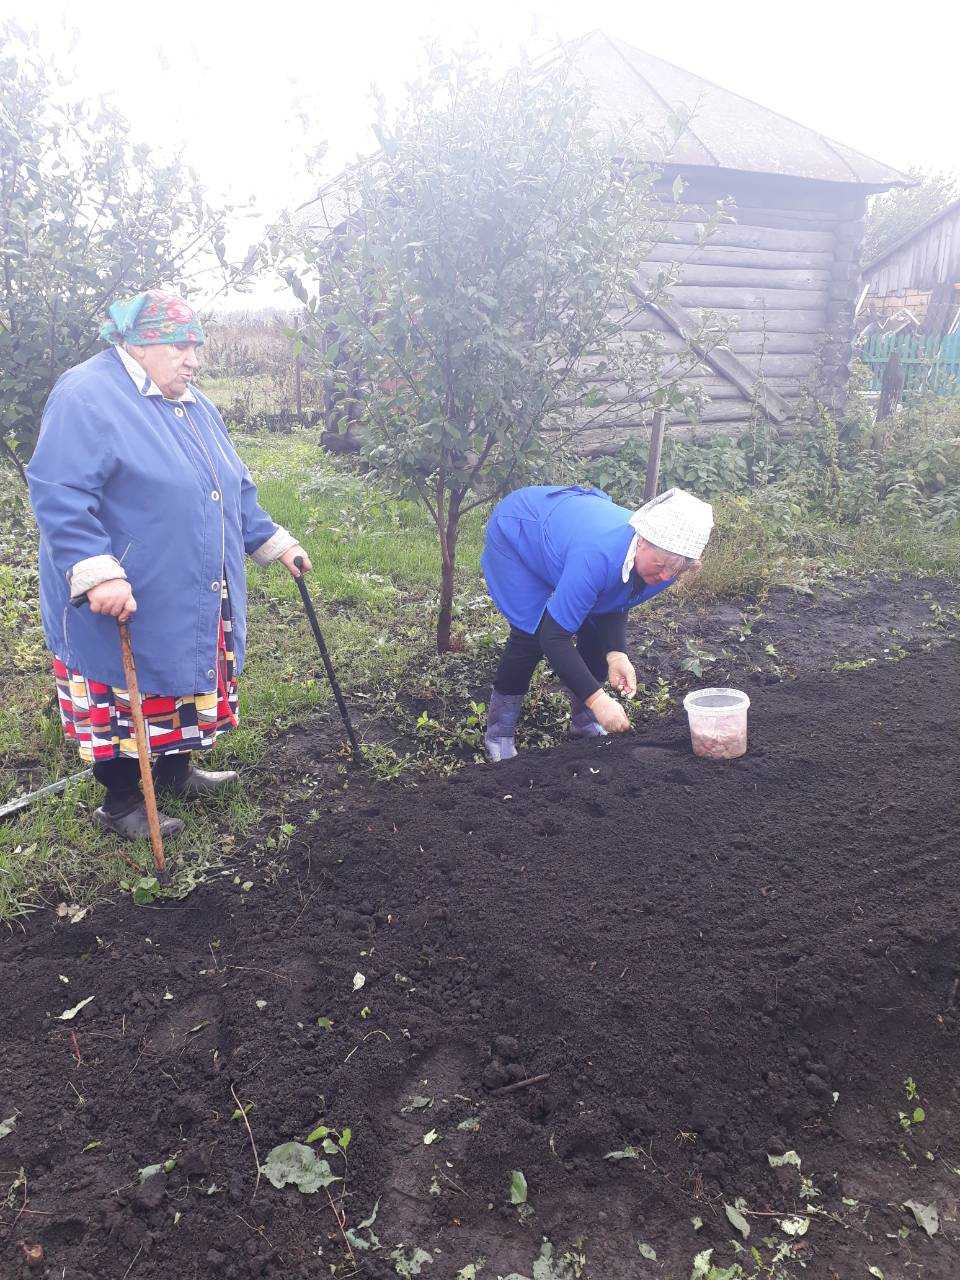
[159,486]
[562,549]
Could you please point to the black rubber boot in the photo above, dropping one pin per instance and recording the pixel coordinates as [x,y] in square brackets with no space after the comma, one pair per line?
[176,774]
[133,824]
[583,723]
[502,716]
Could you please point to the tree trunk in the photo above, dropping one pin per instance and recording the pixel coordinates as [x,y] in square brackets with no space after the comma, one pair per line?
[448,563]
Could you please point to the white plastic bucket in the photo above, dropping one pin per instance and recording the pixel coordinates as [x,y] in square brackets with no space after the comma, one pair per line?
[718,722]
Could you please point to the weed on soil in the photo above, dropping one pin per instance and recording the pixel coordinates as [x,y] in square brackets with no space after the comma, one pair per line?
[606,1011]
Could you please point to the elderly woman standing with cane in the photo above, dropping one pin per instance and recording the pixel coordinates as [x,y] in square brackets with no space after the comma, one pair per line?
[564,565]
[146,511]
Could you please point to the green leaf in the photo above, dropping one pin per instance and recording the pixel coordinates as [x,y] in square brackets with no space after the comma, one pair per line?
[647,1251]
[325,1023]
[316,1134]
[409,1260]
[796,1225]
[416,1103]
[919,1115]
[344,1139]
[876,1272]
[69,1014]
[149,1171]
[736,1219]
[926,1215]
[788,1157]
[297,1164]
[518,1187]
[701,1264]
[471,1271]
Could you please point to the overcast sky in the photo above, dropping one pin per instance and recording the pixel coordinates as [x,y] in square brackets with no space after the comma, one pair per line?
[225,84]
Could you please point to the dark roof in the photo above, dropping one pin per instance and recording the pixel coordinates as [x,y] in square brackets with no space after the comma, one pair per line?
[726,131]
[924,227]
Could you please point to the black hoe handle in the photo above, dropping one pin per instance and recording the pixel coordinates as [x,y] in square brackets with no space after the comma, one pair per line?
[328,665]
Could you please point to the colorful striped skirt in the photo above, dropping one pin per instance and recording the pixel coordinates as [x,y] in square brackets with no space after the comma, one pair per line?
[97,716]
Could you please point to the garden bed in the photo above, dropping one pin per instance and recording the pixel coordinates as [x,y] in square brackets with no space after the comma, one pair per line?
[703,965]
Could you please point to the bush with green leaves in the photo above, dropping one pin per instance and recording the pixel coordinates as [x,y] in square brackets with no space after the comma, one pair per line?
[85,216]
[467,288]
[850,472]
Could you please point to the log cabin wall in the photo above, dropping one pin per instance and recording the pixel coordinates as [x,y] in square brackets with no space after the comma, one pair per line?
[783,276]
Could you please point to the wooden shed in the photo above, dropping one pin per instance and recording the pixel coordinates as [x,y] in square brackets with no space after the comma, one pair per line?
[920,274]
[784,274]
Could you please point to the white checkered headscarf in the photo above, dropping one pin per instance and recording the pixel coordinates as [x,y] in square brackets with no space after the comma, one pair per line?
[675,521]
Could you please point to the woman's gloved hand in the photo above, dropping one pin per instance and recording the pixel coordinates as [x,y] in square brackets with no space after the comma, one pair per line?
[608,712]
[620,673]
[114,598]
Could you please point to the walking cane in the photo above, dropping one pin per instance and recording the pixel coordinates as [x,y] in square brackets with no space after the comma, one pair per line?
[142,741]
[318,636]
[143,751]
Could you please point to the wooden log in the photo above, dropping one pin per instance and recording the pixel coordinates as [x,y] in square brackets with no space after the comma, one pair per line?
[745,320]
[723,277]
[740,342]
[747,236]
[748,299]
[615,393]
[776,219]
[714,254]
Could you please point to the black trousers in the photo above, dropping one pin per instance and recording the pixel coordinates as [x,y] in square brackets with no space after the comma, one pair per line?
[121,777]
[523,653]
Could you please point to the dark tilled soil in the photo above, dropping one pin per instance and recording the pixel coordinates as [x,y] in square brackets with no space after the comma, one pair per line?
[708,963]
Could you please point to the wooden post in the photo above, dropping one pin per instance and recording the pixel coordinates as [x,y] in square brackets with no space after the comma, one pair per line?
[298,383]
[653,459]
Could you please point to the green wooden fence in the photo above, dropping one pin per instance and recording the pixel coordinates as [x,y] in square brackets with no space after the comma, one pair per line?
[929,363]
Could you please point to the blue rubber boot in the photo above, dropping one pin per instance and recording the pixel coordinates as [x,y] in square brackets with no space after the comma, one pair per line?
[502,716]
[583,724]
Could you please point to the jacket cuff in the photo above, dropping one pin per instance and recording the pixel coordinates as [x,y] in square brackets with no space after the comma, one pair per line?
[89,573]
[274,547]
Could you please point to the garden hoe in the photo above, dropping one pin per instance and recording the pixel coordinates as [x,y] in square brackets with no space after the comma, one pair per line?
[318,636]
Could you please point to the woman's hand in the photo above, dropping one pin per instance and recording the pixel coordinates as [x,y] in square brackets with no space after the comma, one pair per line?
[290,555]
[114,598]
[608,712]
[620,673]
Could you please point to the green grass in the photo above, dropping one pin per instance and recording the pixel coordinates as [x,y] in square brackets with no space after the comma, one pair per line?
[376,569]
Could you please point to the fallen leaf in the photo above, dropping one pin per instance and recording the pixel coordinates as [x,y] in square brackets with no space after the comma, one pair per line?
[647,1251]
[737,1219]
[8,1125]
[292,1162]
[628,1153]
[788,1157]
[68,1015]
[70,911]
[416,1103]
[925,1214]
[430,1138]
[358,980]
[796,1225]
[470,1125]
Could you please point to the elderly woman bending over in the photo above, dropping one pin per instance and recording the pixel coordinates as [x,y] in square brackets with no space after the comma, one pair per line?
[564,566]
[146,512]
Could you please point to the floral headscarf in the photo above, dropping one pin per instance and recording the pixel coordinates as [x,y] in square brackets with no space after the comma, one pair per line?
[151,318]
